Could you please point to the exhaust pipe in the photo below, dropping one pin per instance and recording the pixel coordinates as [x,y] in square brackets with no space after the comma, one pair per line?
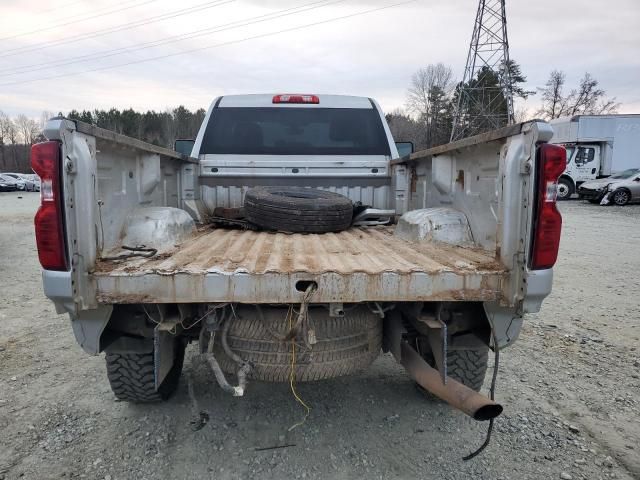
[457,395]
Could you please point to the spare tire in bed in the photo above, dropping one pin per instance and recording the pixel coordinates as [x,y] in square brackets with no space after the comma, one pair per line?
[298,209]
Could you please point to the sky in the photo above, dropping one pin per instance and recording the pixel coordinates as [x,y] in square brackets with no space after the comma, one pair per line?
[59,55]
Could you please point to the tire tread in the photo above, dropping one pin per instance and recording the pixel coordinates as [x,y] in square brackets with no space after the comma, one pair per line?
[345,345]
[132,377]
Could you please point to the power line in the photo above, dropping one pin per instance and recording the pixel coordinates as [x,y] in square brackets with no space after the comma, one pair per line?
[67,17]
[231,42]
[176,38]
[105,31]
[68,4]
[58,25]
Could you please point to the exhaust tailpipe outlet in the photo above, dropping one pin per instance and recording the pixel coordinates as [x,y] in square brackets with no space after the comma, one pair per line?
[477,406]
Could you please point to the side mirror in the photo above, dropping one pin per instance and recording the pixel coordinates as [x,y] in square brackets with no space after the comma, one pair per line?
[184,146]
[404,148]
[637,179]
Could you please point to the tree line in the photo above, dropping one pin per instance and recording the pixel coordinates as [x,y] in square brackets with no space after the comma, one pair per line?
[426,118]
[433,95]
[160,128]
[16,137]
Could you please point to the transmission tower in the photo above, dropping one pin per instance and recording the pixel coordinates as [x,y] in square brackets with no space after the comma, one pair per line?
[485,97]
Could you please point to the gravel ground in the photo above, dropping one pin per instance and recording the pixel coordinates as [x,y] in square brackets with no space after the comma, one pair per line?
[570,386]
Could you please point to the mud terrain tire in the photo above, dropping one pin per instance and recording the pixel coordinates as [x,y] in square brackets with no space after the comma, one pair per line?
[132,379]
[468,367]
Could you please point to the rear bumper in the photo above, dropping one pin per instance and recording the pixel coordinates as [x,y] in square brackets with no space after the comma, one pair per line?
[274,287]
[59,289]
[539,284]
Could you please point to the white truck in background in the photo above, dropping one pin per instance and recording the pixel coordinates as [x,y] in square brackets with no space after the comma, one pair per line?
[129,250]
[597,146]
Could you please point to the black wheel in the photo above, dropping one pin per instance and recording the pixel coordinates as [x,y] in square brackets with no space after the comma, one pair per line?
[468,367]
[344,345]
[131,376]
[298,209]
[565,189]
[621,197]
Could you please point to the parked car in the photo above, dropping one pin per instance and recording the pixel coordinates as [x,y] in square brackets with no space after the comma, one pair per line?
[621,188]
[36,181]
[8,184]
[29,185]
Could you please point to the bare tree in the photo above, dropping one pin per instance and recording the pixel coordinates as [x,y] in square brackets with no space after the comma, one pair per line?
[404,128]
[10,137]
[429,98]
[587,99]
[521,114]
[169,128]
[45,116]
[552,98]
[27,128]
[4,130]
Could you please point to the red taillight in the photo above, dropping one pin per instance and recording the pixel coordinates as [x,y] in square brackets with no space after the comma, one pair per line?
[552,161]
[313,99]
[45,161]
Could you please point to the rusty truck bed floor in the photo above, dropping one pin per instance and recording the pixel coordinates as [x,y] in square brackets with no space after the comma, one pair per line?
[247,266]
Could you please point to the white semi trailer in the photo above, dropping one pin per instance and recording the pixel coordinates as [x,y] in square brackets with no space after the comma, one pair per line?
[597,146]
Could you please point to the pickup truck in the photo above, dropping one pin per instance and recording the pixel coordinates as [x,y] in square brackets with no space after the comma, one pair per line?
[452,247]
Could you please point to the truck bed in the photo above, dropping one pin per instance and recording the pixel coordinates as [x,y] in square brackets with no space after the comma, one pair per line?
[360,264]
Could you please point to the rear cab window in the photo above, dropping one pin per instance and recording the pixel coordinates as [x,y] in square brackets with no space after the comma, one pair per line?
[295,131]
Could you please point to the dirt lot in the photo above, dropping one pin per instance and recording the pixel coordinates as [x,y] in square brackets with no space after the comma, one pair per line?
[571,388]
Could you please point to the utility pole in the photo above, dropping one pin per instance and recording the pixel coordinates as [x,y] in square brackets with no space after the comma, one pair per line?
[485,97]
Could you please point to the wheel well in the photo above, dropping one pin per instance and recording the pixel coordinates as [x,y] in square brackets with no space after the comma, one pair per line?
[623,188]
[468,327]
[567,177]
[626,190]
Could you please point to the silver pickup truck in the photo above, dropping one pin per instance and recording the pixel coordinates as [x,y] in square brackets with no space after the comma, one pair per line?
[147,251]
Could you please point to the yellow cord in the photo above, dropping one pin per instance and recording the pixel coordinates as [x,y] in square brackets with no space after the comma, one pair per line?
[292,374]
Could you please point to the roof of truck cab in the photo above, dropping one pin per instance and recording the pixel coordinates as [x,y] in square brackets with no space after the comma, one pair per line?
[266,100]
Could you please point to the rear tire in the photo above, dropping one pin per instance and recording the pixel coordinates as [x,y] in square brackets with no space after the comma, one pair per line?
[131,376]
[468,367]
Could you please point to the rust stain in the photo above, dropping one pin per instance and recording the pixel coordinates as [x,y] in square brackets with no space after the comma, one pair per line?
[413,179]
[372,290]
[370,250]
[107,298]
